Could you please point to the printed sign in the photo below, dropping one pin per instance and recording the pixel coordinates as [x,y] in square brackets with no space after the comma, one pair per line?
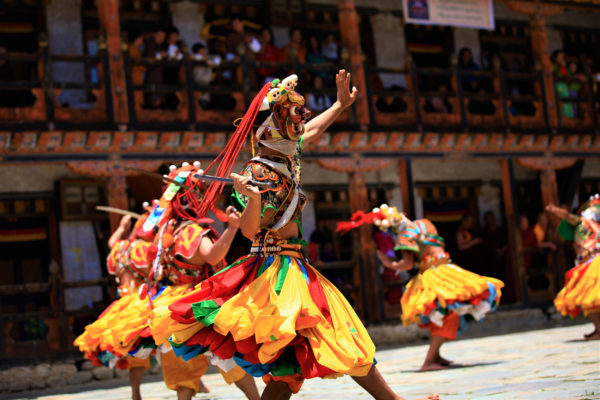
[462,13]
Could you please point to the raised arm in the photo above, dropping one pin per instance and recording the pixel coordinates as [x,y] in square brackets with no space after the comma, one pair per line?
[121,231]
[214,253]
[406,264]
[563,214]
[316,126]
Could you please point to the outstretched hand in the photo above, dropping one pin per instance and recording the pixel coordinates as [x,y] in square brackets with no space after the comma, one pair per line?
[240,184]
[344,95]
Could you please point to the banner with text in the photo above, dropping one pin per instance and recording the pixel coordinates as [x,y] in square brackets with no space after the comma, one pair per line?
[477,14]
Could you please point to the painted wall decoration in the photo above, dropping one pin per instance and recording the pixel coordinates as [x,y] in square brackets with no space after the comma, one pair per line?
[461,13]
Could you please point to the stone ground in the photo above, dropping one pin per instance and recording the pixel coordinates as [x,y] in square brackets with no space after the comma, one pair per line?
[541,364]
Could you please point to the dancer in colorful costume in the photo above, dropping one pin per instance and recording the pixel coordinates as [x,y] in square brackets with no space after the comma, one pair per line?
[188,250]
[271,311]
[129,261]
[442,294]
[581,293]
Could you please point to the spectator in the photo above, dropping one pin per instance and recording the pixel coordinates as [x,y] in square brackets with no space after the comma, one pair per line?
[174,53]
[240,44]
[391,104]
[155,48]
[318,102]
[135,52]
[468,245]
[269,53]
[203,71]
[439,104]
[541,231]
[314,247]
[295,49]
[528,240]
[466,64]
[575,85]
[495,245]
[329,48]
[561,75]
[385,244]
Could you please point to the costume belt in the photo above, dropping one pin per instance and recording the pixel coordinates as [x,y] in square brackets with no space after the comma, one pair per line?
[433,261]
[588,254]
[280,247]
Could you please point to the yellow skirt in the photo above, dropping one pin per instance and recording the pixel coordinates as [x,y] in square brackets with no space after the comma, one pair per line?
[437,291]
[581,291]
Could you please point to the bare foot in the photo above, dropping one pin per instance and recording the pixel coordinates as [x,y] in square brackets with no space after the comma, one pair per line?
[433,366]
[430,397]
[442,361]
[202,388]
[587,335]
[593,336]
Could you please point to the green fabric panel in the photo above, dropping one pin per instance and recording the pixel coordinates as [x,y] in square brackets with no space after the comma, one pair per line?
[300,231]
[237,201]
[300,145]
[414,249]
[566,231]
[286,364]
[263,267]
[285,266]
[205,311]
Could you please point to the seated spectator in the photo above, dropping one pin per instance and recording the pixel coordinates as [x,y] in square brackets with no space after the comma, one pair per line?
[135,52]
[329,48]
[318,102]
[241,45]
[561,75]
[155,48]
[269,53]
[315,57]
[439,104]
[172,72]
[295,49]
[391,104]
[203,72]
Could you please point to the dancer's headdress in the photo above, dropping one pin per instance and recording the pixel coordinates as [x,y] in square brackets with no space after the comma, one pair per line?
[281,130]
[591,208]
[384,217]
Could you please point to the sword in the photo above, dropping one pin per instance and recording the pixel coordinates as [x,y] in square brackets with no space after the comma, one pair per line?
[230,180]
[118,211]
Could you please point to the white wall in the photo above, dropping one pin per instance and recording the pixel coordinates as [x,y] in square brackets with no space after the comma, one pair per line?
[390,46]
[187,18]
[465,37]
[32,178]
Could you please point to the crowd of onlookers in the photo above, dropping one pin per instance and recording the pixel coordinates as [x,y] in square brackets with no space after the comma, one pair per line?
[217,61]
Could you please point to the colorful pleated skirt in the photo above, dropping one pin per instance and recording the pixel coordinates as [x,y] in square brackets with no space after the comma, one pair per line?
[99,338]
[276,316]
[440,290]
[582,289]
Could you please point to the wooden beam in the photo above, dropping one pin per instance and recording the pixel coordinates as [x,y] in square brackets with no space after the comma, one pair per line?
[405,175]
[512,228]
[108,13]
[117,197]
[359,200]
[350,34]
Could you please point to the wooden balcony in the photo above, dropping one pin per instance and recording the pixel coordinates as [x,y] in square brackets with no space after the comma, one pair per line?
[429,100]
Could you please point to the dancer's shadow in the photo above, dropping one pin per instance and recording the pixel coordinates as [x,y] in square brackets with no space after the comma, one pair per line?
[576,340]
[459,366]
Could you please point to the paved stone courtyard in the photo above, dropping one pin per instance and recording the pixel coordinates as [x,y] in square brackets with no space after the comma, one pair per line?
[542,364]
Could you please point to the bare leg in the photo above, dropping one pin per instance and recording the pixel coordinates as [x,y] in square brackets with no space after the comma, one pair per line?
[276,391]
[431,359]
[377,387]
[135,380]
[595,318]
[184,393]
[248,386]
[202,387]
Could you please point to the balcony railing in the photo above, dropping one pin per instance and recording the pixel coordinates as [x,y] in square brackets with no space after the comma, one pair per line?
[425,99]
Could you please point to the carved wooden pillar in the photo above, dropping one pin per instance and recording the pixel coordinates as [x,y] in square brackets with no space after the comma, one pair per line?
[537,13]
[359,200]
[348,20]
[517,269]
[108,12]
[356,167]
[539,45]
[117,197]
